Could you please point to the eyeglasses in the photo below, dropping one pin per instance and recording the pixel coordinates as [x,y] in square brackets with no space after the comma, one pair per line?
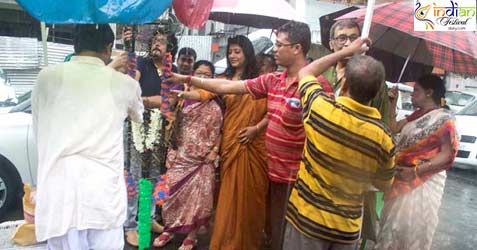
[278,45]
[341,39]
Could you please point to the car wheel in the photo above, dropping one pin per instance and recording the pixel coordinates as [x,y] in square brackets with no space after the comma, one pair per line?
[10,189]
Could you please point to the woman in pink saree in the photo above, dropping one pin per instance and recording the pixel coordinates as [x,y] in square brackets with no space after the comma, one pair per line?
[191,164]
[426,148]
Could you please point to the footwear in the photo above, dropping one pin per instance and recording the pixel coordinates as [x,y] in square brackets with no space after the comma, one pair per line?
[156,227]
[162,240]
[188,244]
[132,238]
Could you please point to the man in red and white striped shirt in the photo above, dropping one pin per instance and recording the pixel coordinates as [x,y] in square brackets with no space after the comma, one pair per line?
[285,136]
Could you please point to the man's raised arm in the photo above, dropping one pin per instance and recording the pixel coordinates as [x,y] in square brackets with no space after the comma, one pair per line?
[219,86]
[319,66]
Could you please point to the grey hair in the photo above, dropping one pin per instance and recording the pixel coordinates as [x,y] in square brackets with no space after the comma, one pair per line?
[364,77]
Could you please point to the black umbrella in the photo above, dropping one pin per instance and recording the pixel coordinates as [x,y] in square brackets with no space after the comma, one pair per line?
[393,63]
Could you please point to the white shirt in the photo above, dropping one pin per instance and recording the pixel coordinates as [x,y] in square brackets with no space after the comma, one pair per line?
[79,108]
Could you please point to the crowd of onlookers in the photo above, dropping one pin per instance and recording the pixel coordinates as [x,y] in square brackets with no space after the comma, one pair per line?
[284,159]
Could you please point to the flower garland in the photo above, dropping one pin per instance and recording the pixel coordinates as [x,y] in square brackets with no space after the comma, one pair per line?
[146,141]
[141,142]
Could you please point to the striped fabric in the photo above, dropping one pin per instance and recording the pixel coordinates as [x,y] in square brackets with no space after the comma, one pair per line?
[347,149]
[285,135]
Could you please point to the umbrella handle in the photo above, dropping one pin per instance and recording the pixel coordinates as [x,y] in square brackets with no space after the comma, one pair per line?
[407,61]
[130,45]
[368,18]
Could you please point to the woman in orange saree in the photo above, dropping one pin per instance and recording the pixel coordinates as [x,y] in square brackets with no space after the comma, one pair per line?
[425,150]
[240,214]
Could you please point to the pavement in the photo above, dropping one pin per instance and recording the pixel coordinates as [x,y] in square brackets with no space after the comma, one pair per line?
[457,228]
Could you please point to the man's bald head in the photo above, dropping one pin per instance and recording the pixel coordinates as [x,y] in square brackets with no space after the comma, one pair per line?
[364,76]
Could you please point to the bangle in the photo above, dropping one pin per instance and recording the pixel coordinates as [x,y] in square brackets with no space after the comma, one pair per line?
[188,79]
[415,171]
[201,82]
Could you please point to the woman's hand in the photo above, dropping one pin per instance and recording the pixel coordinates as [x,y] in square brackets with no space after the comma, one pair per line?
[177,78]
[211,157]
[247,134]
[406,173]
[393,94]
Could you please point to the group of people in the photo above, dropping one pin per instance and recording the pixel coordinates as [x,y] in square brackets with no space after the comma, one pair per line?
[297,151]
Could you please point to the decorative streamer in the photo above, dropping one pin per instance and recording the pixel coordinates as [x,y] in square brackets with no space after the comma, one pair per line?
[131,184]
[161,191]
[144,213]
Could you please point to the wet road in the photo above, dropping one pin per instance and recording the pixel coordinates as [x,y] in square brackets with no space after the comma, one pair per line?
[457,229]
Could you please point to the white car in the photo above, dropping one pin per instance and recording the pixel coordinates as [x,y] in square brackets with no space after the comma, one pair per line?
[459,99]
[7,92]
[466,119]
[17,155]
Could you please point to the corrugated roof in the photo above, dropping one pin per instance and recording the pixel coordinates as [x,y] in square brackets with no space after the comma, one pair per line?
[56,52]
[201,44]
[22,59]
[22,80]
[18,53]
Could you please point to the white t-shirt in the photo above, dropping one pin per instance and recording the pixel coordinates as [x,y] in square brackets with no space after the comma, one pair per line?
[79,108]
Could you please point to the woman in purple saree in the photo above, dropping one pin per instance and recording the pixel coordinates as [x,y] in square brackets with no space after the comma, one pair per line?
[191,164]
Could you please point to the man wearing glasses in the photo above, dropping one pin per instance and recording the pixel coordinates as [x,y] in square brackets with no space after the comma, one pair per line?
[285,136]
[342,34]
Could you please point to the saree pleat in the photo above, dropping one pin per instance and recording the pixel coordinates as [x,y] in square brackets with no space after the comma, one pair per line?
[410,213]
[240,213]
[190,178]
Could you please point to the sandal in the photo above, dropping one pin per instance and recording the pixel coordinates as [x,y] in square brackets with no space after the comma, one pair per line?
[162,240]
[188,244]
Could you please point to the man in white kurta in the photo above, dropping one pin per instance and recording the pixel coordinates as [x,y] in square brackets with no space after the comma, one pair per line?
[79,108]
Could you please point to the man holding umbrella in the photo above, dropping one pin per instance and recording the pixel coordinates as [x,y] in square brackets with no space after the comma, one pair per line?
[342,34]
[347,150]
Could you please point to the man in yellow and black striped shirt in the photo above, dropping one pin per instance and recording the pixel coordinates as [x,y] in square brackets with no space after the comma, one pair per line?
[347,150]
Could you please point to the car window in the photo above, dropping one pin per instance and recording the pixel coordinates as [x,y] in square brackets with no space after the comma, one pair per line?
[24,97]
[22,107]
[469,110]
[457,98]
